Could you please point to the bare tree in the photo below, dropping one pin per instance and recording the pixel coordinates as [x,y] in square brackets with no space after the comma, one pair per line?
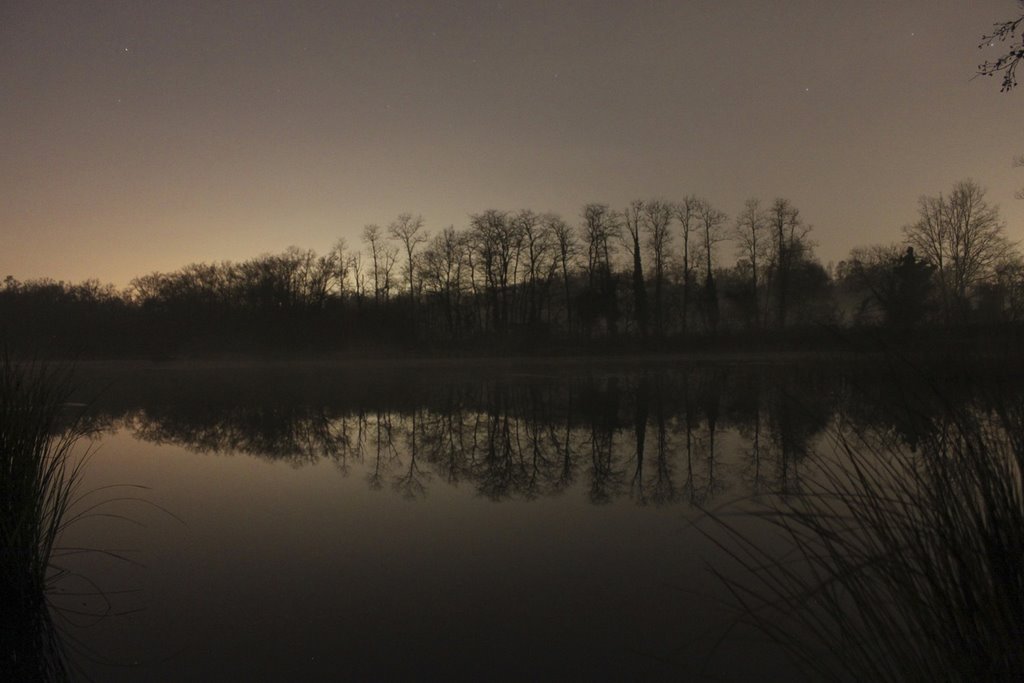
[601,231]
[341,260]
[686,214]
[538,247]
[632,218]
[657,219]
[496,241]
[355,261]
[319,277]
[962,237]
[895,281]
[749,233]
[568,249]
[409,231]
[788,244]
[442,269]
[712,222]
[388,259]
[1006,63]
[870,273]
[373,239]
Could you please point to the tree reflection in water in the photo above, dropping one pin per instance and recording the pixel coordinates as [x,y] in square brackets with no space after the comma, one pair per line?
[654,435]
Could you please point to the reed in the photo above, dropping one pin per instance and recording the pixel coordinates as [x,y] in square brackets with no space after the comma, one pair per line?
[894,564]
[40,473]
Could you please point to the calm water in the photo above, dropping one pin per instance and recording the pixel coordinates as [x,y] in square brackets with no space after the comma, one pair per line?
[512,521]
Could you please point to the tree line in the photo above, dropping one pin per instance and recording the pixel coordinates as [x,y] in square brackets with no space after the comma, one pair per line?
[650,274]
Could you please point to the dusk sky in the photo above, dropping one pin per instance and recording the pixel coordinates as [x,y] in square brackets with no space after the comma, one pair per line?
[141,136]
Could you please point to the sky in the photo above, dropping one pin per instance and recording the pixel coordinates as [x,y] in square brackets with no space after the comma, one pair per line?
[140,136]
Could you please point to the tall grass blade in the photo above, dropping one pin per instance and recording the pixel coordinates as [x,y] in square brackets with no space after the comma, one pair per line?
[39,478]
[896,564]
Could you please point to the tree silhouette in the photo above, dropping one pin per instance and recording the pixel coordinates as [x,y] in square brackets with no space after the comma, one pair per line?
[1006,33]
[657,221]
[749,234]
[889,281]
[686,214]
[372,237]
[514,282]
[409,232]
[632,217]
[442,268]
[601,231]
[961,237]
[711,223]
[539,262]
[567,249]
[496,242]
[788,246]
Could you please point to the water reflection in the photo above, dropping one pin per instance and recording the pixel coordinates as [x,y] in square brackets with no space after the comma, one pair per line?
[656,435]
[32,648]
[612,463]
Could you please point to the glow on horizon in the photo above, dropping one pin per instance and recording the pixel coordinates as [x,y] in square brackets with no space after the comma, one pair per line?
[145,138]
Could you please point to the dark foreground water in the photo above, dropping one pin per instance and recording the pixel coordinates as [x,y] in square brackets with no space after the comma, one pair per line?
[384,521]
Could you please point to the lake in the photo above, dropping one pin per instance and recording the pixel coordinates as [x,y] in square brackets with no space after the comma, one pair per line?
[480,520]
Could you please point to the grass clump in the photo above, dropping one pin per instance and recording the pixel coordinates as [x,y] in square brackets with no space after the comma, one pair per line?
[39,477]
[894,563]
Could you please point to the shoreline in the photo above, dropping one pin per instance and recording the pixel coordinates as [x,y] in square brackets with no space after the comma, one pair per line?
[565,361]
